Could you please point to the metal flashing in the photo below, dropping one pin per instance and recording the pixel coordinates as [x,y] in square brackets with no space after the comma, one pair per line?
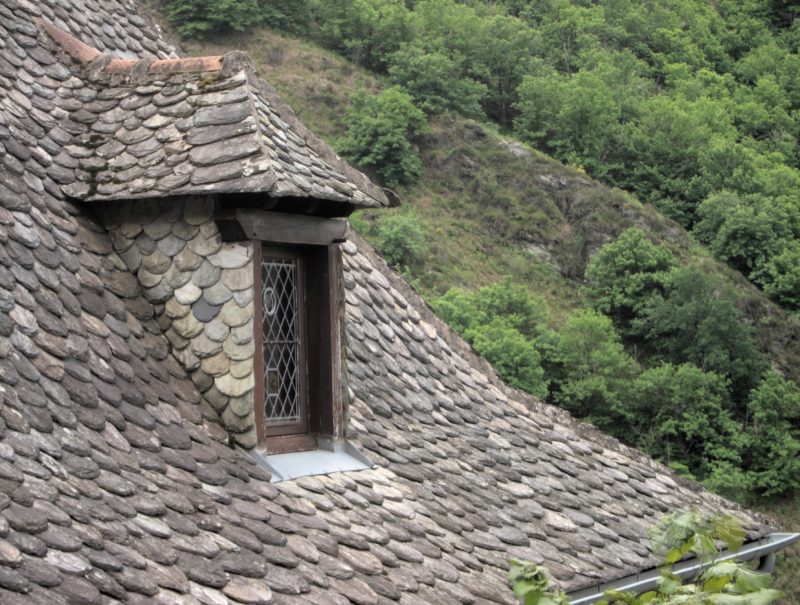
[331,456]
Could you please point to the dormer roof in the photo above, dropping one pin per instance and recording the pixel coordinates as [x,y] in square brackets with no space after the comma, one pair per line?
[163,127]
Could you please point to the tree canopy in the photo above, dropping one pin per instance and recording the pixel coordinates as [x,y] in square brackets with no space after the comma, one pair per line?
[692,106]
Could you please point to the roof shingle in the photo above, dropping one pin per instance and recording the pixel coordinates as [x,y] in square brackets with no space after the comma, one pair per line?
[158,127]
[112,486]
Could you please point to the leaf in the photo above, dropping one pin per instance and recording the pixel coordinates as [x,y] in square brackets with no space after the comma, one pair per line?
[716,584]
[765,596]
[529,583]
[523,587]
[673,555]
[727,599]
[728,529]
[704,546]
[626,598]
[762,597]
[535,598]
[723,568]
[668,585]
[748,580]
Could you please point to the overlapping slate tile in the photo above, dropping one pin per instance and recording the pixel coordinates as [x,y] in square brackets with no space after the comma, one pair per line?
[112,484]
[522,479]
[175,127]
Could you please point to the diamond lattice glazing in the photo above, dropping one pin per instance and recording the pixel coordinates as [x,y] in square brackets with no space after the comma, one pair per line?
[280,340]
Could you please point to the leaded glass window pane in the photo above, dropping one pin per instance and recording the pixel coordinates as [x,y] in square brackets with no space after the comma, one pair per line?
[280,341]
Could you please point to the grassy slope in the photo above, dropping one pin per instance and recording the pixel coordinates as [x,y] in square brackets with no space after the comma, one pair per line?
[494,207]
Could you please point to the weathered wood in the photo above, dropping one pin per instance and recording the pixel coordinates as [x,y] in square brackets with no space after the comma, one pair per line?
[245,223]
[323,331]
[322,351]
[291,443]
[336,312]
[258,339]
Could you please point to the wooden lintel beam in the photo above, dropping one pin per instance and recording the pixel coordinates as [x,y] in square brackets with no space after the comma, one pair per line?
[281,228]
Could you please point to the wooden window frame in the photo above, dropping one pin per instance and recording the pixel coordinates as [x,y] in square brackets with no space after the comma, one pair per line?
[300,426]
[315,241]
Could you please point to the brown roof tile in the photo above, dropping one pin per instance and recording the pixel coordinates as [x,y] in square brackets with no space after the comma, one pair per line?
[76,49]
[112,485]
[189,134]
[83,53]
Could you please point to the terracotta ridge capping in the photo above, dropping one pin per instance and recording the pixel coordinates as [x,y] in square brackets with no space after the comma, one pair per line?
[70,44]
[83,53]
[160,66]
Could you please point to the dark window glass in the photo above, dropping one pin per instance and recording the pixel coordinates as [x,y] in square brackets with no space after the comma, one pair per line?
[279,303]
[282,330]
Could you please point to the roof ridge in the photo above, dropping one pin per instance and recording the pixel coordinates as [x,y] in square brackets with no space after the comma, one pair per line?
[250,78]
[81,52]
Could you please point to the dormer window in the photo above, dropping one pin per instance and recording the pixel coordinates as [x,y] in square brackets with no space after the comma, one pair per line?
[283,342]
[297,330]
[220,176]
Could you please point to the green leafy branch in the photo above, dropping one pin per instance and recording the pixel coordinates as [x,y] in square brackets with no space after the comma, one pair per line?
[530,584]
[719,582]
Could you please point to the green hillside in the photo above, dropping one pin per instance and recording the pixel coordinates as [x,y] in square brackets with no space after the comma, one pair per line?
[693,106]
[492,205]
[486,206]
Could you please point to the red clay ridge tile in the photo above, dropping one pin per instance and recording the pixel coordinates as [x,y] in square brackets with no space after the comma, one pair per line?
[83,53]
[117,66]
[161,66]
[187,64]
[71,45]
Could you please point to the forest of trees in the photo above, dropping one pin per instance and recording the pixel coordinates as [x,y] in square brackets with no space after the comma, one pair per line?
[693,106]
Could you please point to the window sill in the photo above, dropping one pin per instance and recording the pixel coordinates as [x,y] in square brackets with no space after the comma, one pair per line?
[329,457]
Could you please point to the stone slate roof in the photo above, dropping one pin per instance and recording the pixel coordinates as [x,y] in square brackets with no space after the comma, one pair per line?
[114,489]
[488,471]
[153,128]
